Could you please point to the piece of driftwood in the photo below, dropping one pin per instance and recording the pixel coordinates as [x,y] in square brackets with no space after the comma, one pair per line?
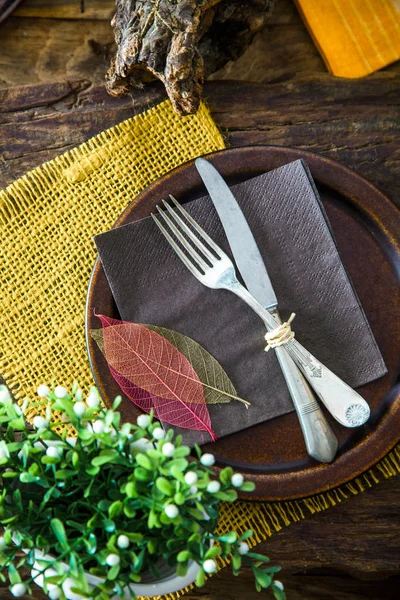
[179,42]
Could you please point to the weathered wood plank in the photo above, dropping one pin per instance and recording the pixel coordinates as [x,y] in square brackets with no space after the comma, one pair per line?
[67,9]
[353,121]
[36,50]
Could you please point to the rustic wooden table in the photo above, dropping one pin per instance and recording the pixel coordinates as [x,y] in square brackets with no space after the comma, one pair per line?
[52,63]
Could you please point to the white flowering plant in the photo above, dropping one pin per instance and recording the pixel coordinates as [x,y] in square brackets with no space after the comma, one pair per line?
[114,501]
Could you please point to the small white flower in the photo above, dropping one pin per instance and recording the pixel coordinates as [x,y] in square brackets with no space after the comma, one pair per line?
[18,590]
[158,433]
[210,566]
[278,584]
[243,548]
[194,490]
[191,478]
[53,451]
[213,487]
[237,480]
[79,408]
[143,421]
[60,392]
[40,422]
[112,560]
[93,399]
[168,449]
[4,394]
[123,542]
[207,460]
[3,454]
[99,427]
[78,395]
[3,543]
[43,391]
[172,511]
[54,593]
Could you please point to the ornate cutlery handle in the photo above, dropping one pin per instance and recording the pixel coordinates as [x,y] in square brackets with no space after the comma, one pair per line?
[344,403]
[321,442]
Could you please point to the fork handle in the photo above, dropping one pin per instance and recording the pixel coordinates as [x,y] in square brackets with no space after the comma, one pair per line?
[344,403]
[321,442]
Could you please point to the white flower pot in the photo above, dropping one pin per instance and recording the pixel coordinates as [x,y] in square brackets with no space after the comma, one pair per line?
[167,585]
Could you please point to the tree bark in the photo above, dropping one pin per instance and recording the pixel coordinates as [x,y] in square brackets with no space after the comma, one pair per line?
[180,42]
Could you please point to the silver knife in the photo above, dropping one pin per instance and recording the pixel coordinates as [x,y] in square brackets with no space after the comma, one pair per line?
[319,438]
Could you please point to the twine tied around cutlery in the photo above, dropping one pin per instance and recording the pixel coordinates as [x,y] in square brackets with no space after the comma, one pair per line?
[280,335]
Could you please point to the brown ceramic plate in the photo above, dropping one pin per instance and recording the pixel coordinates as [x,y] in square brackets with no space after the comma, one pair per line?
[367,230]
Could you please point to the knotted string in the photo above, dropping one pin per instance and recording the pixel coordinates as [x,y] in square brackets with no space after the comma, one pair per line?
[280,335]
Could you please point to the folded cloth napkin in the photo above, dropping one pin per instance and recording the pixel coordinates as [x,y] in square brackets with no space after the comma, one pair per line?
[354,37]
[151,285]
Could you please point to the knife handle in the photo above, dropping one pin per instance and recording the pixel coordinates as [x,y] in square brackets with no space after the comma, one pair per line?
[344,403]
[321,442]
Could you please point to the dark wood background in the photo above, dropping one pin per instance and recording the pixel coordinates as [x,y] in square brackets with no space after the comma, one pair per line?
[52,64]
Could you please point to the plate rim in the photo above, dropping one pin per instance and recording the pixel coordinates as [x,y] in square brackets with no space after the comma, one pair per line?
[363,186]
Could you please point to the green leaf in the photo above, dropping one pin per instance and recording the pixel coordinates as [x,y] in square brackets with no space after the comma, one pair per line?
[178,463]
[116,403]
[183,556]
[230,537]
[66,474]
[144,461]
[59,531]
[256,556]
[212,552]
[247,534]
[217,386]
[49,460]
[142,474]
[105,456]
[164,486]
[226,475]
[181,452]
[135,538]
[177,473]
[130,489]
[201,578]
[278,593]
[109,525]
[27,478]
[75,459]
[179,499]
[115,509]
[248,486]
[236,563]
[182,569]
[113,573]
[262,578]
[13,575]
[92,471]
[228,496]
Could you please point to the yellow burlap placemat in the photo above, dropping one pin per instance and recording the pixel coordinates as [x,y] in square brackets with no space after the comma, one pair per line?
[47,222]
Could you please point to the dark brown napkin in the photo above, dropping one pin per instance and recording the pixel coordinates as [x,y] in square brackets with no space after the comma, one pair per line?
[151,285]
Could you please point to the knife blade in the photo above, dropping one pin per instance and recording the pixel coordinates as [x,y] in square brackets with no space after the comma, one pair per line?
[241,240]
[321,443]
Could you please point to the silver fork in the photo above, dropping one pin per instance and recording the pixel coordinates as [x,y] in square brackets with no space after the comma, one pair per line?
[214,269]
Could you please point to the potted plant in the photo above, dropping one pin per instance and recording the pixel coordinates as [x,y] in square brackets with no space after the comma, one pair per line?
[96,509]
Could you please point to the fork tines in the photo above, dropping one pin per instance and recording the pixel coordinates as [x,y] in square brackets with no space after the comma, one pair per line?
[174,227]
